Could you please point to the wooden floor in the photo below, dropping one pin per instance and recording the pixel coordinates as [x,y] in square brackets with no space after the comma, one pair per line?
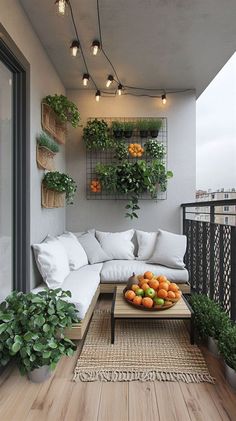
[60,399]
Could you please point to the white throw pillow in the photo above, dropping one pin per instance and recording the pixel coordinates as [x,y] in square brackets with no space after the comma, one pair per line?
[117,245]
[75,252]
[92,248]
[169,250]
[146,244]
[52,261]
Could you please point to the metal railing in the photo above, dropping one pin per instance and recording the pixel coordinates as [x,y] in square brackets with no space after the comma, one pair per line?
[211,253]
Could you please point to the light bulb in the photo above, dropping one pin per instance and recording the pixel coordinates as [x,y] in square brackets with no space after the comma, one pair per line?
[61,7]
[85,79]
[109,81]
[74,48]
[163,97]
[97,96]
[95,47]
[120,87]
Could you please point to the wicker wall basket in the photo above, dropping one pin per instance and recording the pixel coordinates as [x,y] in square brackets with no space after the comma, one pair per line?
[52,199]
[52,125]
[45,158]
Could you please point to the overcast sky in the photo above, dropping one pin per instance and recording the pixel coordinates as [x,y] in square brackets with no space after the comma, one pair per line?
[216,131]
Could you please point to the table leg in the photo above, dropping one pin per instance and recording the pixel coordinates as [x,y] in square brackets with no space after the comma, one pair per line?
[192,329]
[113,321]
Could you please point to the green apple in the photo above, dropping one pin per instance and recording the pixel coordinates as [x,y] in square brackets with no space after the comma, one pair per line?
[158,301]
[150,292]
[139,292]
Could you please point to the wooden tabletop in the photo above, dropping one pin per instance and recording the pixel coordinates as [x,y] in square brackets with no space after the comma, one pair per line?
[122,309]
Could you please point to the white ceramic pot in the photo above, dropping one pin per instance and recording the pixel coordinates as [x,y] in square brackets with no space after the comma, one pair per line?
[212,345]
[40,375]
[230,375]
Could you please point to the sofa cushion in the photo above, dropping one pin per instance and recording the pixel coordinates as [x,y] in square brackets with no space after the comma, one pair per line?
[92,247]
[75,252]
[146,244]
[169,250]
[83,284]
[117,245]
[120,270]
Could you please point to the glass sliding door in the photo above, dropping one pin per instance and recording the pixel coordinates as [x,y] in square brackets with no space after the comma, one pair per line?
[6,182]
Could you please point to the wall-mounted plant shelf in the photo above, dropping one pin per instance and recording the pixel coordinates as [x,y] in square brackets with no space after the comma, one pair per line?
[52,125]
[52,199]
[45,158]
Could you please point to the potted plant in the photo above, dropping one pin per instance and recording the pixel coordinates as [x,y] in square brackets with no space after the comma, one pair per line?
[227,348]
[143,127]
[128,129]
[154,149]
[117,129]
[121,150]
[96,135]
[66,110]
[31,331]
[154,126]
[46,150]
[56,183]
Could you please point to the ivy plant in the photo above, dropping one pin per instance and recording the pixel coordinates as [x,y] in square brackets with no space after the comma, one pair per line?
[66,110]
[96,135]
[62,183]
[32,328]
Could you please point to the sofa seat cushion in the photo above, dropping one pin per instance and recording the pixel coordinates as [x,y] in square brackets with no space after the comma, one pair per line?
[82,284]
[120,270]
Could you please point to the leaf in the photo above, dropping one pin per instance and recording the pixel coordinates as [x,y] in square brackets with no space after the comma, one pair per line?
[46,355]
[38,347]
[16,347]
[3,327]
[52,345]
[46,328]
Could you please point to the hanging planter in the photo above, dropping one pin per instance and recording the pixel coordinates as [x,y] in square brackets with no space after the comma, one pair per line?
[46,150]
[142,126]
[128,129]
[52,199]
[154,127]
[117,129]
[56,187]
[52,125]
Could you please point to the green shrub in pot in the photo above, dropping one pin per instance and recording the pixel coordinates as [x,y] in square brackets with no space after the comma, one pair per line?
[227,345]
[61,183]
[128,129]
[96,135]
[32,326]
[117,129]
[143,127]
[154,126]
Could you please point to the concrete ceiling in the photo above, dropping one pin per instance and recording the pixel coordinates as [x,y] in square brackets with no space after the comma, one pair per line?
[176,44]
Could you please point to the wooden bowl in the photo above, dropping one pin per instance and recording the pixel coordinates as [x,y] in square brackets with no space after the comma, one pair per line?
[156,308]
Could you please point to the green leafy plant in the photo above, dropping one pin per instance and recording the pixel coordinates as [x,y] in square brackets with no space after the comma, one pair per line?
[142,125]
[46,141]
[117,125]
[66,110]
[96,135]
[210,319]
[121,150]
[154,124]
[154,149]
[61,183]
[128,126]
[227,345]
[32,326]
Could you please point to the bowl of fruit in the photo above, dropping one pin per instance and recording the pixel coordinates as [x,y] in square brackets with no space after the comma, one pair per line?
[150,292]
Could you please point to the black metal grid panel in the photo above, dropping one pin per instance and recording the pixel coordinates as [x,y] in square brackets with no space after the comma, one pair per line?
[107,157]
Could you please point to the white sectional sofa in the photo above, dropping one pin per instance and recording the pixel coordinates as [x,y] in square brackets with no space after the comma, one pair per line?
[87,282]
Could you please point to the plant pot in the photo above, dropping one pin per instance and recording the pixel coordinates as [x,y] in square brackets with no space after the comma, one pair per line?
[212,345]
[143,133]
[230,375]
[40,375]
[118,134]
[128,134]
[52,125]
[45,158]
[154,133]
[52,199]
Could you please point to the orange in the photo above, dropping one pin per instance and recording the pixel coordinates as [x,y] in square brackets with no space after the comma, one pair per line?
[173,287]
[134,287]
[147,302]
[137,300]
[171,294]
[148,275]
[162,278]
[178,295]
[130,294]
[145,286]
[154,284]
[164,285]
[162,293]
[140,278]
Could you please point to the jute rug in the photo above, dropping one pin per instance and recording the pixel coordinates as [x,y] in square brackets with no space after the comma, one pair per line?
[146,350]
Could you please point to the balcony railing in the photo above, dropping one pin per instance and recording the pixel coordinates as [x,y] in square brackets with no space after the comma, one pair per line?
[211,252]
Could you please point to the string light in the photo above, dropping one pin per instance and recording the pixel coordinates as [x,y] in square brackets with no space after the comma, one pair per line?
[61,6]
[85,79]
[95,47]
[109,81]
[163,98]
[98,95]
[75,45]
[120,87]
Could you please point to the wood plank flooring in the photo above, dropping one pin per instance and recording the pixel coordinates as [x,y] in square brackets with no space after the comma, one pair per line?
[60,399]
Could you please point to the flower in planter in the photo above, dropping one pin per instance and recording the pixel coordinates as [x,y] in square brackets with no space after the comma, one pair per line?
[154,149]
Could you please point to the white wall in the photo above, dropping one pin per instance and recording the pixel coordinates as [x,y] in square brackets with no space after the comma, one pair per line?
[109,215]
[43,81]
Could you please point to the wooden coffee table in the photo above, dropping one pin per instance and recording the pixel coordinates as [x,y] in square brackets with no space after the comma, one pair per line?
[123,310]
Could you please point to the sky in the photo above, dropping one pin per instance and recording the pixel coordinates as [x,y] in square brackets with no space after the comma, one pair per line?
[216,131]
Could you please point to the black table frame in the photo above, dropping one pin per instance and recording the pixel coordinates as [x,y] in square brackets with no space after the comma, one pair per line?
[114,318]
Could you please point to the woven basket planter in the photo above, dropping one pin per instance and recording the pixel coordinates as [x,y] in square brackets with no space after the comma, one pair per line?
[45,158]
[52,125]
[52,199]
